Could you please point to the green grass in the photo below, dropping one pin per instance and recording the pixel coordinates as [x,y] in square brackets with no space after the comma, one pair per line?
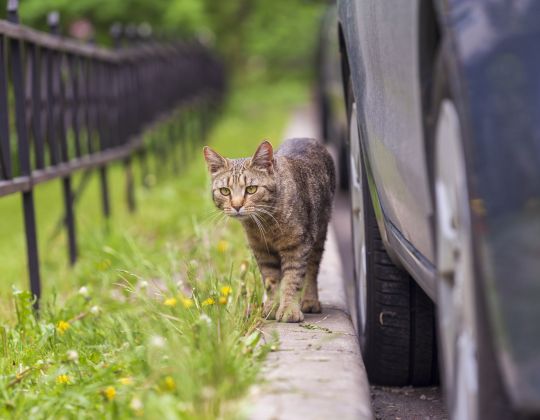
[154,331]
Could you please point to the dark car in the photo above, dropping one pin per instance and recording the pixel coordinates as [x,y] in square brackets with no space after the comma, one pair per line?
[443,107]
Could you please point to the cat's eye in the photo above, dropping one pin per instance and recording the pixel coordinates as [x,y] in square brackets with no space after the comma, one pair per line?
[251,189]
[225,191]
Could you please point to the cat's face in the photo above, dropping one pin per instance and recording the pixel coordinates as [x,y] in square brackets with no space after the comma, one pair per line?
[243,188]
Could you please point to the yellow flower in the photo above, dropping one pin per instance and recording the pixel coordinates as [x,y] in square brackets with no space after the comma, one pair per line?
[223,300]
[226,290]
[170,301]
[169,383]
[209,301]
[187,302]
[222,246]
[126,381]
[63,326]
[62,379]
[109,393]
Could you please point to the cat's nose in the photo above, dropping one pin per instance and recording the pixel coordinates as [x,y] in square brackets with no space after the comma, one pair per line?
[237,208]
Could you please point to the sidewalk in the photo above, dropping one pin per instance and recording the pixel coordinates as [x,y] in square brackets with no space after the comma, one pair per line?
[317,372]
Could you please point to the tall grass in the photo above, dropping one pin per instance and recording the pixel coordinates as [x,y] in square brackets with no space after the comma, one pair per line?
[159,318]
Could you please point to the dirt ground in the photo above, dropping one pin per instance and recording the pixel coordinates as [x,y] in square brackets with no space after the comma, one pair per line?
[407,403]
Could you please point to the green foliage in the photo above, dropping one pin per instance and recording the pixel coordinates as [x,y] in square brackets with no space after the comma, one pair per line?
[158,318]
[269,37]
[141,352]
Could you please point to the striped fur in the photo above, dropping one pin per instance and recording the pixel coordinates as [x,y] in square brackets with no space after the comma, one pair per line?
[285,219]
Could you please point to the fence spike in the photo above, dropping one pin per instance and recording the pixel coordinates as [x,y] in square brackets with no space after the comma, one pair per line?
[13,11]
[119,95]
[53,20]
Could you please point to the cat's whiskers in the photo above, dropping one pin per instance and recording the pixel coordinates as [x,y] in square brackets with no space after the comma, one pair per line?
[266,206]
[222,224]
[257,217]
[253,216]
[219,220]
[271,215]
[212,212]
[212,219]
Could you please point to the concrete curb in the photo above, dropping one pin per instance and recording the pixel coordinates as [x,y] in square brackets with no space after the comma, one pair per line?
[318,372]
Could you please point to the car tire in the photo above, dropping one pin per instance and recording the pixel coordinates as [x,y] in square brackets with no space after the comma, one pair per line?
[395,318]
[470,374]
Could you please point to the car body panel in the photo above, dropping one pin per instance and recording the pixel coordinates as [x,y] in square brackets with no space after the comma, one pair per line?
[332,103]
[497,57]
[494,48]
[388,94]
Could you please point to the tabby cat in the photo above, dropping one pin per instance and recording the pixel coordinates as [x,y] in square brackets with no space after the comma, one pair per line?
[284,202]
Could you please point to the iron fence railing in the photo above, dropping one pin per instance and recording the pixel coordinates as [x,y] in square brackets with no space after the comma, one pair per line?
[66,106]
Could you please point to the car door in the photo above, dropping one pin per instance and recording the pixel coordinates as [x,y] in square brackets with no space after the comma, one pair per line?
[385,45]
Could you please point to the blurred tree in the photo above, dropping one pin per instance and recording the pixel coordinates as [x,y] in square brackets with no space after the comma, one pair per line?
[272,37]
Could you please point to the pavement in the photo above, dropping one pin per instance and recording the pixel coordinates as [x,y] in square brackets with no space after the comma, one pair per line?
[317,372]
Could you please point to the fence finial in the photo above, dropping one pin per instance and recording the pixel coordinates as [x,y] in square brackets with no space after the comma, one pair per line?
[13,11]
[144,30]
[116,33]
[130,33]
[53,20]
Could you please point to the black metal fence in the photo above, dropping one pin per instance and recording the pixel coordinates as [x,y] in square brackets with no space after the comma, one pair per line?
[66,106]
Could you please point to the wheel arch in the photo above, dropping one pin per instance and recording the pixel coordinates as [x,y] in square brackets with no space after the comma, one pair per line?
[345,69]
[429,44]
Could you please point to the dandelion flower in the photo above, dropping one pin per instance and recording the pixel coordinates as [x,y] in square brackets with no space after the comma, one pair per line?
[83,291]
[205,318]
[187,302]
[170,302]
[137,406]
[62,326]
[95,310]
[157,341]
[244,268]
[169,383]
[62,379]
[110,393]
[126,381]
[72,356]
[209,301]
[222,246]
[223,300]
[226,290]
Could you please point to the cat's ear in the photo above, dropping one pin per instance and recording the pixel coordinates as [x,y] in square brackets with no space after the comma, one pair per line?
[214,160]
[263,157]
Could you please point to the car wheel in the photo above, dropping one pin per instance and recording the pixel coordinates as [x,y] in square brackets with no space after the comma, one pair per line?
[471,380]
[395,318]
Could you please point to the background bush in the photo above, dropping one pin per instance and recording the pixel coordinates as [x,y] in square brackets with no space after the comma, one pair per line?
[267,37]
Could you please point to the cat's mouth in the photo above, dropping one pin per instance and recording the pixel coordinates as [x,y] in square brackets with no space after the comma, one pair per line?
[238,215]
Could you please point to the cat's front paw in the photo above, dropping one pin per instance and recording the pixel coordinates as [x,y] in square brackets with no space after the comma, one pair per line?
[311,306]
[289,312]
[269,309]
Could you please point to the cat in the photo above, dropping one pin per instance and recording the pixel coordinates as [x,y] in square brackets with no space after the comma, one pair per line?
[284,202]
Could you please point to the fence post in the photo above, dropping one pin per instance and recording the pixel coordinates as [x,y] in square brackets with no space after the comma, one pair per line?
[124,77]
[97,87]
[53,20]
[24,156]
